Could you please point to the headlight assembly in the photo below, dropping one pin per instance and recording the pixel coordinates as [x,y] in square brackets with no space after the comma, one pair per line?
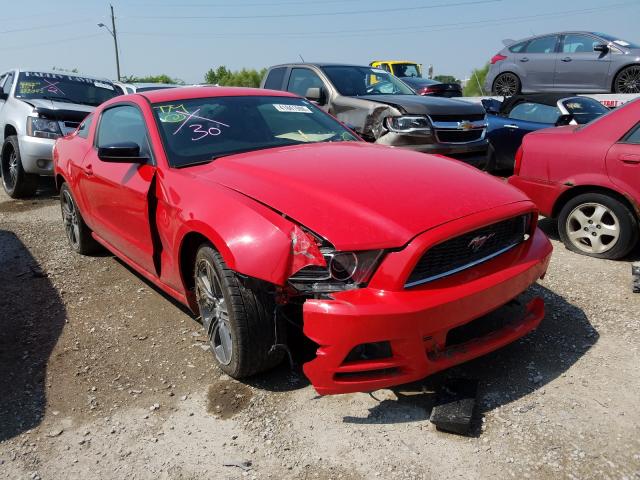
[43,128]
[409,124]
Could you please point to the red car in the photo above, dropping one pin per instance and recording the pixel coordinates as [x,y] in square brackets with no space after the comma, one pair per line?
[588,178]
[259,211]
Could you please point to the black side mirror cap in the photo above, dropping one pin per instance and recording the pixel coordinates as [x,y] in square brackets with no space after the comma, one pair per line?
[316,94]
[564,120]
[601,47]
[126,152]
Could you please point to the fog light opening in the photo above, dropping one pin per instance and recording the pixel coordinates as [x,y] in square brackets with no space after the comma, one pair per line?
[369,351]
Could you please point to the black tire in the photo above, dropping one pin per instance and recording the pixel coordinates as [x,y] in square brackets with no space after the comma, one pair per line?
[248,323]
[16,182]
[77,232]
[489,164]
[598,225]
[627,80]
[506,84]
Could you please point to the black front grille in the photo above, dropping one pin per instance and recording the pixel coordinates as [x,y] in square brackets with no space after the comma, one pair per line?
[465,251]
[459,136]
[457,118]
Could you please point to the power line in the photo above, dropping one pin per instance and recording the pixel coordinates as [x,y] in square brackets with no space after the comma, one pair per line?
[42,27]
[238,5]
[62,40]
[316,14]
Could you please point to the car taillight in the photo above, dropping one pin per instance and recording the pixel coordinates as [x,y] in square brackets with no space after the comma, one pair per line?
[428,90]
[518,162]
[497,58]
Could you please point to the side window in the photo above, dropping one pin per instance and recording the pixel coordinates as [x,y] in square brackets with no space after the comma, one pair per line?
[385,67]
[301,80]
[543,45]
[120,124]
[6,88]
[535,112]
[518,47]
[275,78]
[579,44]
[634,136]
[83,129]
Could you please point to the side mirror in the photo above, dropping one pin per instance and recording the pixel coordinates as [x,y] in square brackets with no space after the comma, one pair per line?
[601,48]
[316,94]
[126,152]
[564,120]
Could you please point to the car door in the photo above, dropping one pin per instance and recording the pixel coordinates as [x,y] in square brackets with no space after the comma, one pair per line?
[301,79]
[579,67]
[116,194]
[623,163]
[507,134]
[538,63]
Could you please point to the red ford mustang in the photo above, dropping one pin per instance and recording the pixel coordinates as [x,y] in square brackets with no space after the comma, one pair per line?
[258,210]
[588,178]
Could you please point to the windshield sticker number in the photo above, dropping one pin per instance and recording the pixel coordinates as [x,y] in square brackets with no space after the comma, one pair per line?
[29,88]
[199,130]
[292,108]
[52,87]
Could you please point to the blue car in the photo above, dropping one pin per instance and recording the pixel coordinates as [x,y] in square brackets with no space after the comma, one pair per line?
[509,121]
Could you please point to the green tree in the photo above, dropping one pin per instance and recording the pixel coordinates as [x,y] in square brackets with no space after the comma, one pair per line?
[475,85]
[247,77]
[162,78]
[446,79]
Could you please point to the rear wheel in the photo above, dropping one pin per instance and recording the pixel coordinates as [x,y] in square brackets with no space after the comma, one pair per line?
[506,84]
[16,182]
[239,322]
[598,225]
[628,80]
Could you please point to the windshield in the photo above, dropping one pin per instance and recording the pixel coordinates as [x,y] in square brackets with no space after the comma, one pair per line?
[200,130]
[618,41]
[357,81]
[584,109]
[64,88]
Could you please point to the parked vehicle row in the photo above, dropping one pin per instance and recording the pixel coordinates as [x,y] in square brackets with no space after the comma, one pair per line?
[304,224]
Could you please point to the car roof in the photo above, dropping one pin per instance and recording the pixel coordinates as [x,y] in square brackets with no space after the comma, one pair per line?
[547,98]
[177,94]
[151,84]
[61,72]
[320,65]
[570,32]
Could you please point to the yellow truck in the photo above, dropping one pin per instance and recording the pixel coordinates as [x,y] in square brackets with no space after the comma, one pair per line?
[399,68]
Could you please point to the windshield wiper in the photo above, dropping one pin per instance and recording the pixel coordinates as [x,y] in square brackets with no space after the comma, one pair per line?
[56,99]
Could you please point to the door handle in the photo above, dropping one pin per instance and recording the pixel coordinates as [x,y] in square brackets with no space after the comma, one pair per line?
[511,126]
[629,158]
[524,59]
[566,59]
[88,169]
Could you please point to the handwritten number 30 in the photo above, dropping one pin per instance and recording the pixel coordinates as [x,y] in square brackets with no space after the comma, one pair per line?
[197,128]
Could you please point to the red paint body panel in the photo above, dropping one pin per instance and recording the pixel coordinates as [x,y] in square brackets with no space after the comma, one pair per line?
[596,155]
[357,196]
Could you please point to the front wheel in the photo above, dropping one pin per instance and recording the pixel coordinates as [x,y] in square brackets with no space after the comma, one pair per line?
[16,182]
[628,80]
[239,322]
[77,232]
[598,225]
[506,84]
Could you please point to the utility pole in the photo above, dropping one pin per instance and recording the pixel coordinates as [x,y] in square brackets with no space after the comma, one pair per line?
[115,41]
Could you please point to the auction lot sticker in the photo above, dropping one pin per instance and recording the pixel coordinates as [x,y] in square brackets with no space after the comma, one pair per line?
[292,108]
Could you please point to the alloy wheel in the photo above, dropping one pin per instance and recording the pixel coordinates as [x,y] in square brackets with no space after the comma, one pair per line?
[593,228]
[70,219]
[214,311]
[628,81]
[506,85]
[11,174]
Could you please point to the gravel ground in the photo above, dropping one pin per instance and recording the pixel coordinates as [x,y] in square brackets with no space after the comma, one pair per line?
[101,376]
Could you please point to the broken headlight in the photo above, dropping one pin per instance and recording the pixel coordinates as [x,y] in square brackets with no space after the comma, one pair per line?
[409,124]
[343,271]
[43,128]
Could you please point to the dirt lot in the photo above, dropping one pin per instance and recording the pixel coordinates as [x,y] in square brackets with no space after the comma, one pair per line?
[101,376]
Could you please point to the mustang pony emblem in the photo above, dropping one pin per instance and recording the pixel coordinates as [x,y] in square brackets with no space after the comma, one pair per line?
[478,242]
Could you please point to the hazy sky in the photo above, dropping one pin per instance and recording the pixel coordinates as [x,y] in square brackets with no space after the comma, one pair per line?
[185,38]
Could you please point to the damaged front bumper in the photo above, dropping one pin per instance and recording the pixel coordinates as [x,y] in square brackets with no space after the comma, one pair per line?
[421,329]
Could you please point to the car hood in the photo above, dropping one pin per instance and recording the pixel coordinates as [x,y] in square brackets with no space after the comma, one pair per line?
[419,105]
[60,110]
[360,196]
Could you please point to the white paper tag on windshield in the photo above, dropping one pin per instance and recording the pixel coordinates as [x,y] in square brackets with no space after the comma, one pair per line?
[292,108]
[622,43]
[103,85]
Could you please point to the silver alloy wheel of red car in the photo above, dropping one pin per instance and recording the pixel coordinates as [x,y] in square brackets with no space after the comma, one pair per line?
[70,219]
[214,312]
[593,228]
[628,80]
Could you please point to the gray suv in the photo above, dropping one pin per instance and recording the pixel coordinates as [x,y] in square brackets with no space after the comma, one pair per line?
[383,109]
[581,62]
[37,107]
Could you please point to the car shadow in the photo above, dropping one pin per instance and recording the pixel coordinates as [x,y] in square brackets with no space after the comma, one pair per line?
[505,375]
[33,316]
